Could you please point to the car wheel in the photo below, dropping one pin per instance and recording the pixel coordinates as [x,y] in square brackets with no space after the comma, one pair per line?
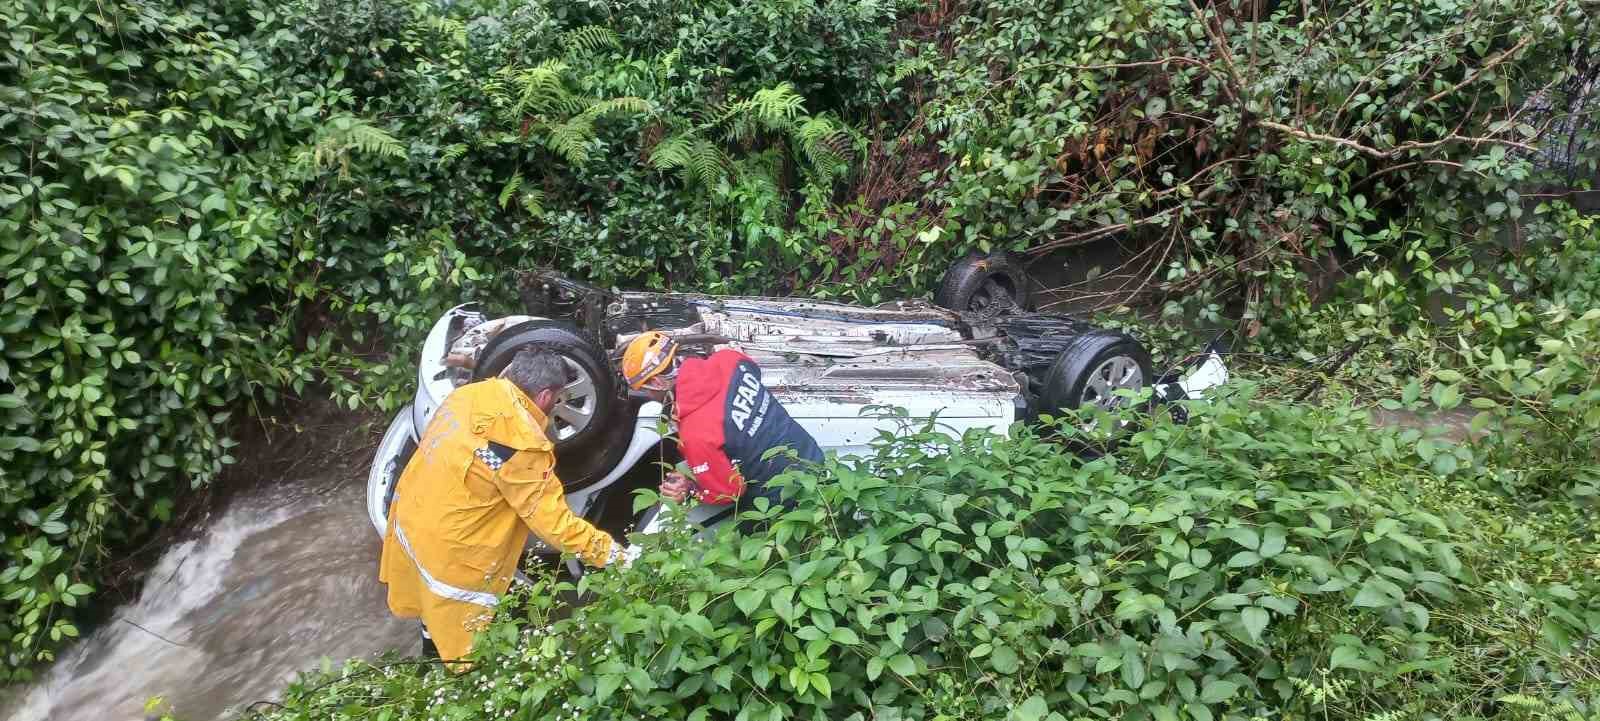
[979,283]
[589,397]
[589,424]
[1092,368]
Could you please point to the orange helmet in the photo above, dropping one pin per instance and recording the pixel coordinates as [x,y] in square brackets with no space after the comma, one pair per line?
[647,356]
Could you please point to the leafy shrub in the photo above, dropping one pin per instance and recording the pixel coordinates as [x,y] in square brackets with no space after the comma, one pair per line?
[124,233]
[1263,561]
[1241,152]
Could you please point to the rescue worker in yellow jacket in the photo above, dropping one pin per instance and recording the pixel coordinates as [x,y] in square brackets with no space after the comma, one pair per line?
[482,477]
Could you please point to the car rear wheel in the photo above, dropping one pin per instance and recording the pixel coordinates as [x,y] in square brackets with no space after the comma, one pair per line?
[1092,368]
[985,283]
[589,395]
[589,423]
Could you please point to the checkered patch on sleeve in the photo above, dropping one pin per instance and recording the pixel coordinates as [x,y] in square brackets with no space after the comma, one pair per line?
[494,455]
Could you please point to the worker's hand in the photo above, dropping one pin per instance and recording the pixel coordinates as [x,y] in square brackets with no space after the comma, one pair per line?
[631,554]
[676,487]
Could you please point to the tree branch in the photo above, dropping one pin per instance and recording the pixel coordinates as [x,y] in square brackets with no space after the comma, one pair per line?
[1394,151]
[1499,57]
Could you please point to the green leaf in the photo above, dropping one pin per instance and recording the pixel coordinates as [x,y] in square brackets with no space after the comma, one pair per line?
[1378,593]
[822,685]
[1226,601]
[1446,396]
[749,600]
[699,624]
[1255,620]
[640,680]
[1244,559]
[1004,660]
[1272,542]
[874,668]
[799,679]
[605,685]
[1243,536]
[1217,691]
[1349,657]
[902,664]
[844,636]
[1181,570]
[1033,709]
[783,603]
[1555,636]
[1133,672]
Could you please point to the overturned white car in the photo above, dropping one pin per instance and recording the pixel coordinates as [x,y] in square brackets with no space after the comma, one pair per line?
[978,359]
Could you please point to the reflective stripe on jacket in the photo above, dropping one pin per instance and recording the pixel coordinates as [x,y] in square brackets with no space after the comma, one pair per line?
[482,477]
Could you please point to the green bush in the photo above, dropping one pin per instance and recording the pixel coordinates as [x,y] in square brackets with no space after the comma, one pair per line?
[1240,151]
[127,328]
[1263,561]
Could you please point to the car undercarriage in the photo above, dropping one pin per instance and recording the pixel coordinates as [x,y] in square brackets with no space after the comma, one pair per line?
[976,359]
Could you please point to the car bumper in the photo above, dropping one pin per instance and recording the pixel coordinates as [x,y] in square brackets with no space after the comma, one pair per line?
[399,441]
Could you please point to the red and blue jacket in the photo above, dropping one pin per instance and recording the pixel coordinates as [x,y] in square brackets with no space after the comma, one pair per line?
[727,421]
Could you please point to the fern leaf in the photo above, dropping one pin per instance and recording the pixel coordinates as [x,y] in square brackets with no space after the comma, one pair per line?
[373,140]
[626,104]
[533,202]
[706,161]
[452,152]
[540,88]
[570,140]
[671,153]
[777,106]
[826,143]
[589,38]
[510,189]
[339,138]
[669,62]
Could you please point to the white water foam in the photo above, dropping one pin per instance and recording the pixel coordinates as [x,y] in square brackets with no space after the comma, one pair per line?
[279,581]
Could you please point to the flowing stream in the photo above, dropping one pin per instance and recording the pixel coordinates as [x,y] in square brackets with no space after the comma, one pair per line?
[283,578]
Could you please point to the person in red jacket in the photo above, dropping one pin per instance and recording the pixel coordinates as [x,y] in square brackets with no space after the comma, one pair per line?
[727,421]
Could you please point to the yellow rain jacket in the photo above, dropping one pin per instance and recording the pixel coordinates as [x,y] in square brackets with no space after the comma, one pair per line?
[482,476]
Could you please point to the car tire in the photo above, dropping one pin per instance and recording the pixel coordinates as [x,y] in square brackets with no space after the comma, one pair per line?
[977,283]
[1091,368]
[585,451]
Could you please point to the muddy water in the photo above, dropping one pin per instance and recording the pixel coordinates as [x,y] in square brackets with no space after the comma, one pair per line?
[283,578]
